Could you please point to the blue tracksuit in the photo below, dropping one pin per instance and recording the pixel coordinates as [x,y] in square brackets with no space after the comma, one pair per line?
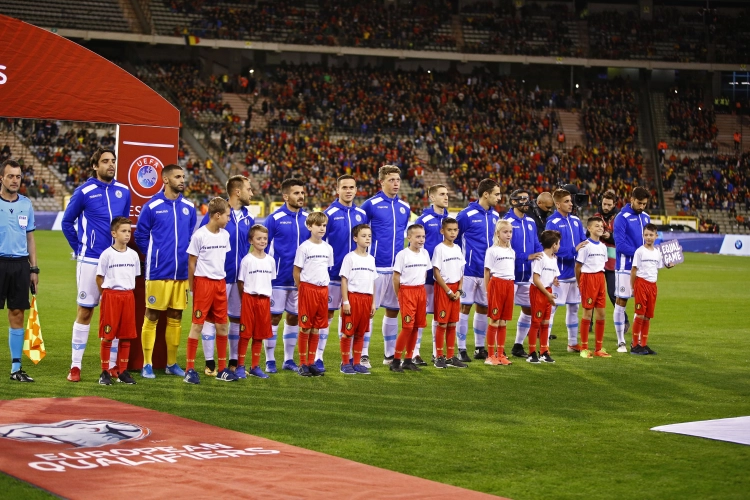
[93,205]
[476,228]
[524,242]
[572,233]
[341,220]
[388,218]
[432,222]
[286,232]
[238,229]
[628,236]
[163,234]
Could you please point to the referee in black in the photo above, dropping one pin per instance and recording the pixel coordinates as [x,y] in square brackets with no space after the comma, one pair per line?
[18,270]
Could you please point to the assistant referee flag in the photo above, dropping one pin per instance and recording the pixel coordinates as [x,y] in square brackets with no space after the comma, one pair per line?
[33,343]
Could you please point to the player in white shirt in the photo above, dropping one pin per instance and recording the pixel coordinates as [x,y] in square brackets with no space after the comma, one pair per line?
[206,253]
[358,276]
[115,276]
[409,275]
[544,274]
[311,263]
[499,280]
[646,264]
[448,269]
[257,271]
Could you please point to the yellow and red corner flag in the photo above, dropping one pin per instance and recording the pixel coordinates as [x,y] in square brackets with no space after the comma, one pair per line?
[33,343]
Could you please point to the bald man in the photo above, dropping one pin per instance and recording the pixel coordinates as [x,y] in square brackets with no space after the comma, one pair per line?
[541,210]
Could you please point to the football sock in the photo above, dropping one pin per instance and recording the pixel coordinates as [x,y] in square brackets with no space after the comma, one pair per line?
[290,341]
[346,346]
[450,340]
[148,339]
[618,317]
[584,332]
[312,347]
[412,343]
[543,338]
[242,351]
[551,321]
[419,341]
[123,355]
[322,341]
[434,333]
[357,349]
[522,328]
[390,333]
[208,337]
[637,327]
[599,333]
[366,345]
[234,339]
[480,329]
[401,341]
[271,344]
[256,348]
[533,333]
[502,333]
[172,336]
[192,348]
[80,337]
[15,341]
[221,351]
[491,340]
[439,338]
[302,343]
[462,330]
[104,348]
[644,332]
[113,354]
[571,321]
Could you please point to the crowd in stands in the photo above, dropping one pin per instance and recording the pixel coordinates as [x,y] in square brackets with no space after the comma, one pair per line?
[610,118]
[692,124]
[30,185]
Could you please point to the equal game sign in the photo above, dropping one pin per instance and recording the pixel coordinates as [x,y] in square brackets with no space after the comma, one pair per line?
[671,252]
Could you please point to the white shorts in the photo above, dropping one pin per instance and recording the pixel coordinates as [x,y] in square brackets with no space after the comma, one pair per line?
[234,301]
[567,293]
[334,295]
[88,292]
[385,295]
[521,293]
[474,292]
[283,299]
[430,289]
[622,285]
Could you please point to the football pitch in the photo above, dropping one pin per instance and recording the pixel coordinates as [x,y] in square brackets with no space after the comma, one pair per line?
[578,428]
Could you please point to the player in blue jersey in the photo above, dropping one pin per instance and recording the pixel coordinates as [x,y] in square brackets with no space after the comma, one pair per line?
[432,219]
[86,225]
[572,239]
[286,231]
[239,194]
[476,227]
[18,270]
[163,234]
[526,245]
[343,215]
[388,216]
[628,229]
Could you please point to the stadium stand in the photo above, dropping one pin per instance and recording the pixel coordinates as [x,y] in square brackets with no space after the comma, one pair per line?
[99,15]
[611,116]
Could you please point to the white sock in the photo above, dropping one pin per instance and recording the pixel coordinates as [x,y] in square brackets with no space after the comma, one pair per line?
[366,344]
[113,354]
[461,330]
[618,317]
[480,329]
[522,327]
[434,334]
[208,338]
[234,340]
[322,340]
[80,337]
[571,321]
[551,319]
[270,344]
[419,342]
[390,332]
[290,341]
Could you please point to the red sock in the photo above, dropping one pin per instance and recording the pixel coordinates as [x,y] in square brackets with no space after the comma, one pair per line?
[533,334]
[450,340]
[221,351]
[192,348]
[256,349]
[544,338]
[644,333]
[412,343]
[440,339]
[312,347]
[599,333]
[401,341]
[491,340]
[583,332]
[303,343]
[123,355]
[242,350]
[104,351]
[637,327]
[502,332]
[346,347]
[359,342]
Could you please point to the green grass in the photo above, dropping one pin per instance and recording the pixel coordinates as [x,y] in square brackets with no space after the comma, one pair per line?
[577,428]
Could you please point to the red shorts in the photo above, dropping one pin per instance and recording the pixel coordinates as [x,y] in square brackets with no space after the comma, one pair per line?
[541,309]
[117,315]
[446,310]
[645,297]
[255,317]
[209,301]
[500,296]
[412,300]
[313,306]
[593,291]
[358,322]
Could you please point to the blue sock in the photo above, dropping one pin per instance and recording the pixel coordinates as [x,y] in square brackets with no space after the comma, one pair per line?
[15,340]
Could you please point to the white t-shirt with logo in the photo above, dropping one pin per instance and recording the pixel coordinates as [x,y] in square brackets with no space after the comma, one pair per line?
[592,257]
[119,268]
[546,268]
[256,274]
[412,266]
[501,262]
[449,261]
[211,250]
[314,259]
[648,263]
[360,272]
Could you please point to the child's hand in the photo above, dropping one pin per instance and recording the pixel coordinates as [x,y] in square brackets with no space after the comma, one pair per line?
[373,311]
[556,282]
[551,298]
[582,244]
[533,256]
[346,309]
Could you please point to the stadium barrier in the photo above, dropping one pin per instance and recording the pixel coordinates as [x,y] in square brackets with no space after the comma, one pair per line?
[684,220]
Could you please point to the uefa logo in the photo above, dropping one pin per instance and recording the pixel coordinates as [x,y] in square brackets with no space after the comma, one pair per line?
[144,175]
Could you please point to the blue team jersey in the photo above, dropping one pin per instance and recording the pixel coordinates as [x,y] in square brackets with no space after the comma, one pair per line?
[432,222]
[524,242]
[238,228]
[572,234]
[286,232]
[628,236]
[388,218]
[341,220]
[16,220]
[476,228]
[89,214]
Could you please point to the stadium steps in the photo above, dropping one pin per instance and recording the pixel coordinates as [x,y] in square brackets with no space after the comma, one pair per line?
[458,32]
[130,16]
[728,125]
[570,121]
[658,109]
[583,36]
